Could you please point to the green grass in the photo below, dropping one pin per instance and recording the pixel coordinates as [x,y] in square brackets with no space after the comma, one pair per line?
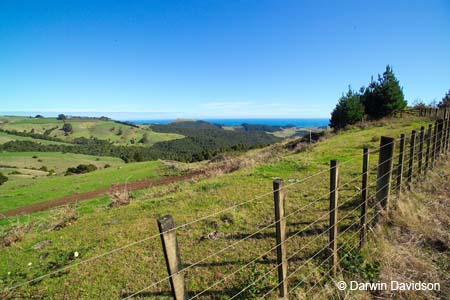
[105,130]
[136,267]
[17,193]
[6,137]
[54,160]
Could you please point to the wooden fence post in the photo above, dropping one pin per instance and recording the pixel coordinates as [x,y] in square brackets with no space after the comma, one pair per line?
[427,156]
[440,126]
[433,154]
[447,142]
[401,157]
[279,201]
[171,251]
[421,139]
[412,148]
[444,132]
[364,199]
[333,234]
[384,174]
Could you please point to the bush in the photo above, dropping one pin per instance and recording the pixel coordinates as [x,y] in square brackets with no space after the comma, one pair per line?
[81,169]
[348,111]
[67,128]
[3,178]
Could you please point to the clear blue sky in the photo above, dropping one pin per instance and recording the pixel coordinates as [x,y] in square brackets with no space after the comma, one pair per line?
[217,58]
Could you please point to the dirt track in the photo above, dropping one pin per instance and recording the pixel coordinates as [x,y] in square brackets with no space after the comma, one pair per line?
[134,185]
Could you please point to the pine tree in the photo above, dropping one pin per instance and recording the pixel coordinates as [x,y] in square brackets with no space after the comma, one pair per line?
[349,110]
[384,96]
[445,102]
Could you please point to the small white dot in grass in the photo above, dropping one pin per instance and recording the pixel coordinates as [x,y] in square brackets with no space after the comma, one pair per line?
[29,264]
[76,254]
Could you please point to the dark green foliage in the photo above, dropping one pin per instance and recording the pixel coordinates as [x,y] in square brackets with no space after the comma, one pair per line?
[39,116]
[3,178]
[81,169]
[349,110]
[445,102]
[67,128]
[61,117]
[266,128]
[383,97]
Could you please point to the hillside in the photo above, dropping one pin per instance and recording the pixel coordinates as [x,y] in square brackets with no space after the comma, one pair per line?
[248,189]
[117,133]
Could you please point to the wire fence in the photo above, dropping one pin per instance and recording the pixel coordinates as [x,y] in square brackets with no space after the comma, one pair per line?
[395,171]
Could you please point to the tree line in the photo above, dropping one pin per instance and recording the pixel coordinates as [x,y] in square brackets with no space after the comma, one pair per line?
[379,99]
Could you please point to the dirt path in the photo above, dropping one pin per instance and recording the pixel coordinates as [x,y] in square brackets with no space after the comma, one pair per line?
[134,185]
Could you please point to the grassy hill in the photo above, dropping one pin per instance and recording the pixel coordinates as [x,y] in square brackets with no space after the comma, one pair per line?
[22,191]
[118,133]
[136,267]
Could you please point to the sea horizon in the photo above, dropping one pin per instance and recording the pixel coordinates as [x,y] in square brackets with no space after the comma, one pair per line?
[297,122]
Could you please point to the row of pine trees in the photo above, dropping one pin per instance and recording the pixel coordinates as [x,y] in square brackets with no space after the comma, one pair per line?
[380,98]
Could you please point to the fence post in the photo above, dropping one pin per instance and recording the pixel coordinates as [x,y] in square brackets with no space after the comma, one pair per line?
[444,132]
[364,199]
[412,148]
[440,125]
[384,174]
[427,155]
[401,157]
[171,251]
[421,139]
[433,155]
[334,178]
[279,197]
[447,142]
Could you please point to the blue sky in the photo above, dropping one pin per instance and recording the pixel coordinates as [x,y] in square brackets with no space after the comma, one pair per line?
[215,58]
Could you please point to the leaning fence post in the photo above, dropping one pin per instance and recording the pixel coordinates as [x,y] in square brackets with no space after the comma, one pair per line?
[384,174]
[334,177]
[412,148]
[171,251]
[364,199]
[421,139]
[401,157]
[427,156]
[279,197]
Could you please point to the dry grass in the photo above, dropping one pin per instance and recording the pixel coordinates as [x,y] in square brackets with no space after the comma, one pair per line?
[416,244]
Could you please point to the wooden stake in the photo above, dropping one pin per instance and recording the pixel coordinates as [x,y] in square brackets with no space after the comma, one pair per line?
[421,139]
[427,156]
[384,173]
[171,251]
[333,234]
[412,148]
[401,157]
[364,199]
[279,201]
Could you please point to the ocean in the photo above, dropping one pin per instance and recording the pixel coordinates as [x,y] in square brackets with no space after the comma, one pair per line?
[307,122]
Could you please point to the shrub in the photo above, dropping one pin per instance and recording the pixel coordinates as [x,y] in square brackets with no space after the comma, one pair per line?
[81,169]
[3,178]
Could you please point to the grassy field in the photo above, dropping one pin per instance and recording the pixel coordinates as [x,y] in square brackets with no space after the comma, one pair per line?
[57,161]
[17,193]
[134,268]
[106,130]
